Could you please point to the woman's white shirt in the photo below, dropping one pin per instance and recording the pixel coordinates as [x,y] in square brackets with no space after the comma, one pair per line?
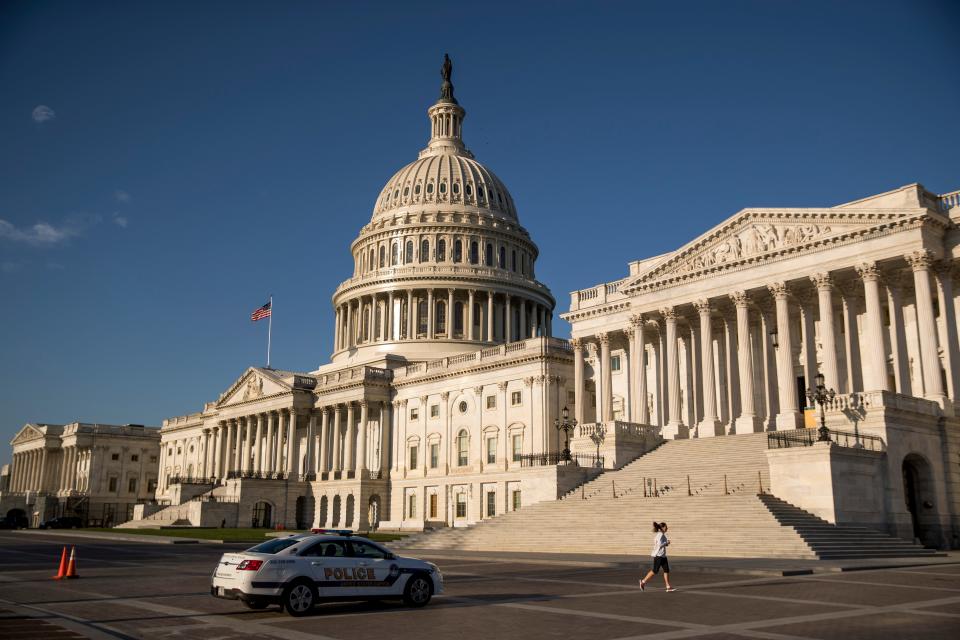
[660,543]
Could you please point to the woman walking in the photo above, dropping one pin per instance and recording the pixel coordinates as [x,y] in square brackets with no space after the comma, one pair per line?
[659,555]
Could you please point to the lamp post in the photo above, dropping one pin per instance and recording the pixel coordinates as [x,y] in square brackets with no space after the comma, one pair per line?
[819,394]
[566,425]
[597,437]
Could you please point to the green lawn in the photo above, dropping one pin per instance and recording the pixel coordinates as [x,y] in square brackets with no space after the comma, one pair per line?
[227,535]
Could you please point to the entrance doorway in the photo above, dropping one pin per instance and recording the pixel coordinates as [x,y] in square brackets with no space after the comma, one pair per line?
[918,496]
[262,515]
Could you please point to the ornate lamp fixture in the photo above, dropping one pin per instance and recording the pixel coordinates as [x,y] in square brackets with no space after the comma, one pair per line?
[566,425]
[819,394]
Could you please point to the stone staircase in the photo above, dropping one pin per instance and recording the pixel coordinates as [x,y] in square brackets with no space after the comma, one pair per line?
[721,515]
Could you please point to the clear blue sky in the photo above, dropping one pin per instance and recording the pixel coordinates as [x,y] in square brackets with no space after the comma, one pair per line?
[191,158]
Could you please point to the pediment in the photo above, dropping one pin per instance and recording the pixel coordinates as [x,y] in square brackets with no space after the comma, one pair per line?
[253,384]
[755,235]
[26,434]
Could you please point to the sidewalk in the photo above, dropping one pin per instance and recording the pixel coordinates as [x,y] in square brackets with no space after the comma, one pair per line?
[692,564]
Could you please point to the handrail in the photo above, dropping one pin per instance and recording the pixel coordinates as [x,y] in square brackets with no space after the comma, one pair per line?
[556,458]
[807,437]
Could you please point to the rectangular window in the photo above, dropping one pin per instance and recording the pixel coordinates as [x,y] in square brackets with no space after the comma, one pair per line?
[434,455]
[614,363]
[414,414]
[412,506]
[491,402]
[116,456]
[153,458]
[132,486]
[433,506]
[151,486]
[517,447]
[461,505]
[434,411]
[413,457]
[134,458]
[491,450]
[516,398]
[515,498]
[112,485]
[491,503]
[571,398]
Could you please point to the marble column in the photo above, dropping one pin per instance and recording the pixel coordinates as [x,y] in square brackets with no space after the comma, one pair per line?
[362,439]
[391,313]
[348,458]
[310,465]
[851,340]
[247,460]
[949,316]
[270,446]
[578,387]
[522,320]
[920,263]
[292,467]
[337,440]
[349,330]
[490,316]
[789,416]
[640,383]
[606,379]
[898,335]
[710,425]
[431,314]
[876,369]
[410,313]
[674,427]
[507,320]
[449,319]
[828,341]
[470,319]
[322,464]
[808,335]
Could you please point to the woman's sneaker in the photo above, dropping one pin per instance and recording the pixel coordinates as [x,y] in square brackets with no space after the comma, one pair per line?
[671,589]
[643,587]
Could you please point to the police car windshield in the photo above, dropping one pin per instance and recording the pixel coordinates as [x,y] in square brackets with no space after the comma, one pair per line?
[274,546]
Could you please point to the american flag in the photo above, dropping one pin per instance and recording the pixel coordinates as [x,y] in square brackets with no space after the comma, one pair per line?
[261,313]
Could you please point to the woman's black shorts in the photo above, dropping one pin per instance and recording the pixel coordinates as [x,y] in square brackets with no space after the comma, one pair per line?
[661,562]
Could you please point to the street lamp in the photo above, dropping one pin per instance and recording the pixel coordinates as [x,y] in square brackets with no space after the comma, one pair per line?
[597,437]
[819,394]
[566,425]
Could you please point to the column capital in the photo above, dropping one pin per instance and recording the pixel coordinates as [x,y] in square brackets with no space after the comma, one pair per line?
[363,403]
[669,314]
[778,290]
[478,391]
[603,338]
[636,320]
[577,344]
[444,395]
[397,403]
[740,298]
[919,260]
[822,280]
[502,386]
[528,381]
[703,307]
[628,331]
[868,271]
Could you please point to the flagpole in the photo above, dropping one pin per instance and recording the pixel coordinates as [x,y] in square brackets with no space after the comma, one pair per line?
[269,330]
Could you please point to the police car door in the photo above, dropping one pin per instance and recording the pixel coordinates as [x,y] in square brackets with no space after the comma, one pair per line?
[376,572]
[332,568]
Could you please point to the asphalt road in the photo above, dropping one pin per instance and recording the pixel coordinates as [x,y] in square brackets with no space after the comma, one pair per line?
[134,590]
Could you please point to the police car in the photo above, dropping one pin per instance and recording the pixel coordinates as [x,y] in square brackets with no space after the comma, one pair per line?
[298,571]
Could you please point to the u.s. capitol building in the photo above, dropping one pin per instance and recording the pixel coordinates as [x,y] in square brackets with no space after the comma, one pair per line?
[439,404]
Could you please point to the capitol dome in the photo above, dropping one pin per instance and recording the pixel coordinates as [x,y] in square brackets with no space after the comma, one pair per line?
[443,266]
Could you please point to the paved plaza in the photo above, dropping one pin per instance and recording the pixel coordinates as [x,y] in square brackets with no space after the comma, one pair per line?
[140,590]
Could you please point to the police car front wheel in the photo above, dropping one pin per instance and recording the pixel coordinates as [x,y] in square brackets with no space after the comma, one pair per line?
[299,597]
[418,591]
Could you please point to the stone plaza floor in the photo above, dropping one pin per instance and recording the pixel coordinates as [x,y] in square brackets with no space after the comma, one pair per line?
[143,590]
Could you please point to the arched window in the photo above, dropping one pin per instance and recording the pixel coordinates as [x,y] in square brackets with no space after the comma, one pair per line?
[424,250]
[416,190]
[430,188]
[377,322]
[503,257]
[456,187]
[523,265]
[514,259]
[469,190]
[394,254]
[422,316]
[458,318]
[488,256]
[457,251]
[383,256]
[408,257]
[372,263]
[441,250]
[443,187]
[441,319]
[463,448]
[474,252]
[406,191]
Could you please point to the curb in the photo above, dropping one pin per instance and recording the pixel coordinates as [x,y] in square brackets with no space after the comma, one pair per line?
[146,538]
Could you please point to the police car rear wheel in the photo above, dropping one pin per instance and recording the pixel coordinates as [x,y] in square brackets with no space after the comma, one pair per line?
[418,591]
[298,598]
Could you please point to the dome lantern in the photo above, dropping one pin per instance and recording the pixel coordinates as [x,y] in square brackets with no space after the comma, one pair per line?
[446,119]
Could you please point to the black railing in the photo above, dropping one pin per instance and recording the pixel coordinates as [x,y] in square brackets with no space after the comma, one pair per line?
[556,458]
[192,480]
[204,497]
[256,475]
[806,438]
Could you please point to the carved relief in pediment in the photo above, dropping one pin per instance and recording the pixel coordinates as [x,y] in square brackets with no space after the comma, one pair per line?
[253,388]
[754,239]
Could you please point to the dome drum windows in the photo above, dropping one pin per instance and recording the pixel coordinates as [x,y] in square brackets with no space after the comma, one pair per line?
[424,250]
[429,188]
[488,255]
[457,251]
[383,256]
[474,252]
[443,187]
[503,258]
[408,254]
[441,250]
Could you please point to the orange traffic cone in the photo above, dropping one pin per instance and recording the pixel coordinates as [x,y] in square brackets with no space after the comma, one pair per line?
[63,566]
[72,566]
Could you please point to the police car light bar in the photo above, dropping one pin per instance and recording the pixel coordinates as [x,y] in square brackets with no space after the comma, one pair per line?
[333,532]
